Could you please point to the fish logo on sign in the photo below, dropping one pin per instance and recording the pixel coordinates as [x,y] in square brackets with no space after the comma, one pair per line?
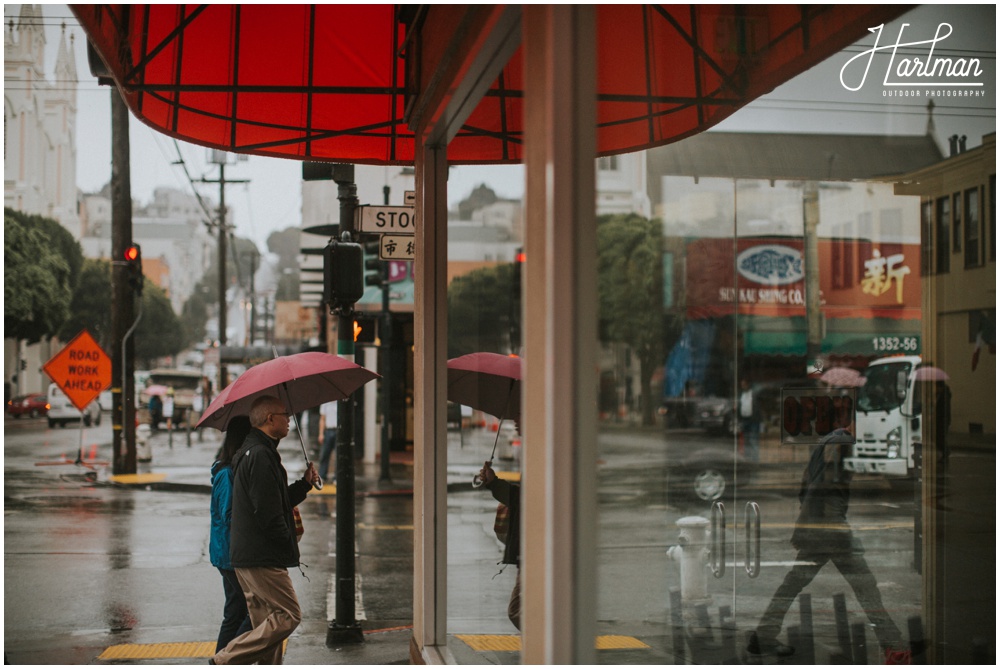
[771,265]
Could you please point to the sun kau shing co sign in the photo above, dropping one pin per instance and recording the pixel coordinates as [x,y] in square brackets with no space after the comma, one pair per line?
[916,71]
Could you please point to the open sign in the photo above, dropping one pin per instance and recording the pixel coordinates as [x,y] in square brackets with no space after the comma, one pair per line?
[809,414]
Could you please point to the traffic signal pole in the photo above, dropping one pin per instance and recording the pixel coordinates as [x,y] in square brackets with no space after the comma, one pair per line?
[385,349]
[122,294]
[345,628]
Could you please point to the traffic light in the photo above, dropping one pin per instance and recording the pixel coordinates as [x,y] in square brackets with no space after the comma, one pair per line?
[364,329]
[342,274]
[518,265]
[374,267]
[133,265]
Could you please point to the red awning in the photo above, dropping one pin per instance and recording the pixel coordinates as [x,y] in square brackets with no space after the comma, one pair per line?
[327,82]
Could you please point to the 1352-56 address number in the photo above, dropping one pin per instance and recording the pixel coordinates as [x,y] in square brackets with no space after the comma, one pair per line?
[896,344]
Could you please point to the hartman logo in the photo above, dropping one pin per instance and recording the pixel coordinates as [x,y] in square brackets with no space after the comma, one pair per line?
[914,68]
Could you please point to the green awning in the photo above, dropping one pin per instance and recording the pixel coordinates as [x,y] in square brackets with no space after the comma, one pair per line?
[784,336]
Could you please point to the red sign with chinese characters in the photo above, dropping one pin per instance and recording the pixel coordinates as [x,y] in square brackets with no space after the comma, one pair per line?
[765,276]
[81,370]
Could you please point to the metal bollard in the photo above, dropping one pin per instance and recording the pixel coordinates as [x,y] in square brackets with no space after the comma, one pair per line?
[692,553]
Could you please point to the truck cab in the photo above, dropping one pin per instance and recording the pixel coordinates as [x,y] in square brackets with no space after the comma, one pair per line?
[888,418]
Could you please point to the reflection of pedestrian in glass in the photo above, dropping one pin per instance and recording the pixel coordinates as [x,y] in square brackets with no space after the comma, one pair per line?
[168,408]
[155,412]
[508,494]
[822,535]
[327,435]
[942,420]
[749,422]
[235,619]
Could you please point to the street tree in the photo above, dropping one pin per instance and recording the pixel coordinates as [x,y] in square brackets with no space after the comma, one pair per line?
[159,332]
[41,262]
[204,299]
[90,307]
[482,309]
[285,244]
[630,293]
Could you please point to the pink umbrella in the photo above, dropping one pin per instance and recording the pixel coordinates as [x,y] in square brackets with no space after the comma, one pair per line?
[156,389]
[930,374]
[490,382]
[301,381]
[843,377]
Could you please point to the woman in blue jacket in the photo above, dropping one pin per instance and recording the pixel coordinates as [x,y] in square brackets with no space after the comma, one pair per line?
[235,619]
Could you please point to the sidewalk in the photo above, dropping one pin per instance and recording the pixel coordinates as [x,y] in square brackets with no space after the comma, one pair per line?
[181,467]
[184,466]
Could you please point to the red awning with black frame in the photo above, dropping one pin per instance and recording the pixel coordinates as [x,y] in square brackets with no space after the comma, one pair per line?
[329,82]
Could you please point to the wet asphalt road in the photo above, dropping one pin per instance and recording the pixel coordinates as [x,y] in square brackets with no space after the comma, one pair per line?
[89,565]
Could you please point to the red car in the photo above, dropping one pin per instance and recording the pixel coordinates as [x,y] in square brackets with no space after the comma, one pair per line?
[35,405]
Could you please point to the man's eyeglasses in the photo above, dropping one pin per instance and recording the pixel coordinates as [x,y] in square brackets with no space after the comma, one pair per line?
[286,415]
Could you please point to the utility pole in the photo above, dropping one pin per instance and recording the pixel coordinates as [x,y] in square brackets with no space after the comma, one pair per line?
[219,157]
[122,296]
[814,316]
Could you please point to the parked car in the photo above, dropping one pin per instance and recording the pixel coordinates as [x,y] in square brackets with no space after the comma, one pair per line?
[716,415]
[62,411]
[33,405]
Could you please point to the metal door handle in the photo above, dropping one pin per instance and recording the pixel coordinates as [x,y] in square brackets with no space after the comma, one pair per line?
[717,556]
[752,539]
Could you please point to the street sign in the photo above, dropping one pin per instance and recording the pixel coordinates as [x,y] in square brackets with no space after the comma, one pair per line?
[409,197]
[397,247]
[388,219]
[81,370]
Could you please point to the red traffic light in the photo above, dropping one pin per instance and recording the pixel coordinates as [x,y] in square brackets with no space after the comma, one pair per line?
[132,253]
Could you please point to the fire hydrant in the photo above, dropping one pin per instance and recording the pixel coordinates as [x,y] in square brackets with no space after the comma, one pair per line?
[692,552]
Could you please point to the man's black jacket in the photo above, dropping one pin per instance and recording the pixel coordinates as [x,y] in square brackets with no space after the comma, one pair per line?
[263,529]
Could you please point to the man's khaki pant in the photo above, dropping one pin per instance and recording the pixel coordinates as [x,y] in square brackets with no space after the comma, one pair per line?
[274,612]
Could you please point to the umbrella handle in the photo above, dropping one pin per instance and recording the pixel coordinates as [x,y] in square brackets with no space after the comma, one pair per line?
[319,483]
[477,480]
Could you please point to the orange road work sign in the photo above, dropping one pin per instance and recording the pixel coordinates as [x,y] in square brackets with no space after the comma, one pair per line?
[81,369]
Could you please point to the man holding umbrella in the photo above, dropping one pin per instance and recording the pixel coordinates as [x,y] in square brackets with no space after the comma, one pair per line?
[263,542]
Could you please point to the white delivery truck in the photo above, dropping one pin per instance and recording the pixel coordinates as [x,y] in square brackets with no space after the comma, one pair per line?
[888,418]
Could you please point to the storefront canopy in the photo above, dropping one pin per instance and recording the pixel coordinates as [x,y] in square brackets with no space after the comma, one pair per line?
[339,82]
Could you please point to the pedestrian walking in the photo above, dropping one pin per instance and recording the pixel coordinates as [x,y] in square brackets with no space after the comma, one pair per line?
[749,422]
[328,436]
[263,543]
[235,619]
[508,529]
[823,535]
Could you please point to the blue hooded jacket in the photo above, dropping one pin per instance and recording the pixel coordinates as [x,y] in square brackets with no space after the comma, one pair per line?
[222,514]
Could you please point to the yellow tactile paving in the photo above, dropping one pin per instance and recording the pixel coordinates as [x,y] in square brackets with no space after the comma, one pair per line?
[509,476]
[328,489]
[161,651]
[158,651]
[508,642]
[618,642]
[138,478]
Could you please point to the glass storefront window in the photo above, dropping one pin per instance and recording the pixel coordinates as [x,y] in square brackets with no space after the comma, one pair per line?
[785,398]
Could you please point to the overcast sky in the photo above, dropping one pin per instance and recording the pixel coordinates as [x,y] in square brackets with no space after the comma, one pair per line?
[813,102]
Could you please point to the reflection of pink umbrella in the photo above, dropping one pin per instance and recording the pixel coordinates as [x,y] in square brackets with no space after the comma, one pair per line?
[930,374]
[490,382]
[301,381]
[156,389]
[843,377]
